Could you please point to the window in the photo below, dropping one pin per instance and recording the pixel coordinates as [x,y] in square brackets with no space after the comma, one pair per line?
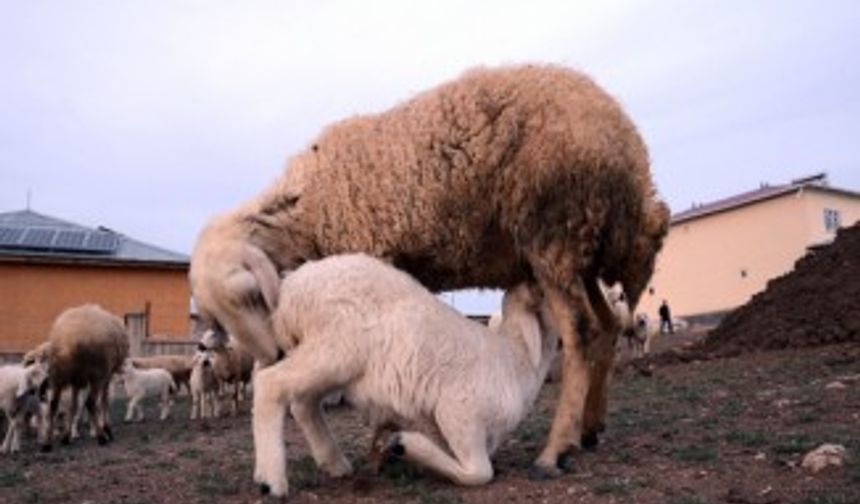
[831,219]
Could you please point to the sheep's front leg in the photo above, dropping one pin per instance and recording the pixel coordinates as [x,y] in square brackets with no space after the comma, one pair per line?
[270,402]
[308,414]
[566,309]
[601,354]
[48,423]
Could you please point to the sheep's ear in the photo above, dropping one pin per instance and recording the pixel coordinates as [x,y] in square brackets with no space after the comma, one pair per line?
[265,274]
[531,334]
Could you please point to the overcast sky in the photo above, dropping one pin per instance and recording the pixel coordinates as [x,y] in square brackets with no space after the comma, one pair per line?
[149,116]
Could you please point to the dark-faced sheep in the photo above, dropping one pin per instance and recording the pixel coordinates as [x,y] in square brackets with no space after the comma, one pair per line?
[87,346]
[501,176]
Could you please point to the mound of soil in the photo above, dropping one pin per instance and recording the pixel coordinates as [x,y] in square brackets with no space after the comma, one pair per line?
[817,303]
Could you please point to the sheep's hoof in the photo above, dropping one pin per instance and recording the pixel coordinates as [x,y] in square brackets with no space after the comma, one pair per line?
[565,461]
[539,472]
[65,440]
[102,439]
[265,489]
[46,448]
[588,441]
[108,433]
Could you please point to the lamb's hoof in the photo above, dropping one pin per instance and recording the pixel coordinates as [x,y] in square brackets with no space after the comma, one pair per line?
[65,440]
[589,441]
[265,489]
[103,439]
[395,448]
[108,433]
[46,448]
[538,472]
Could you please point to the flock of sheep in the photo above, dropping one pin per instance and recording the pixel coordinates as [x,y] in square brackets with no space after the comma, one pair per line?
[70,376]
[527,178]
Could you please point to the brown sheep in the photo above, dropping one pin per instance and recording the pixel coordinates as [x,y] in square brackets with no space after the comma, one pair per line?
[501,176]
[87,346]
[179,367]
[231,364]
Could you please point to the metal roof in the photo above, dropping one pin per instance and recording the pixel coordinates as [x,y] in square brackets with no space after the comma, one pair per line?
[816,183]
[26,235]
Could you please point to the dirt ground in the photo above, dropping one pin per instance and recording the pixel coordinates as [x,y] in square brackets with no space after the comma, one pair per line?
[726,430]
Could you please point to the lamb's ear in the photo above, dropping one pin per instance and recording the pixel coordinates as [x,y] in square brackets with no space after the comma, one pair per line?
[531,335]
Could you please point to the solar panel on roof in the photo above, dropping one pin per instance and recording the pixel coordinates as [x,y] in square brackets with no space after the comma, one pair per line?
[10,236]
[38,238]
[102,242]
[70,240]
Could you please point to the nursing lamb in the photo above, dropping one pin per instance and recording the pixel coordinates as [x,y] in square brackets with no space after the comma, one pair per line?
[452,387]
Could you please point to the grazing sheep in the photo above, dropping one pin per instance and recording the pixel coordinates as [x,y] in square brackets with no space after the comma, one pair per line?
[87,345]
[404,358]
[501,176]
[18,385]
[142,383]
[204,387]
[232,364]
[179,367]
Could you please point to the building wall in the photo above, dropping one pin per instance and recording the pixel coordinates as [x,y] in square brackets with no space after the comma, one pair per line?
[33,295]
[717,262]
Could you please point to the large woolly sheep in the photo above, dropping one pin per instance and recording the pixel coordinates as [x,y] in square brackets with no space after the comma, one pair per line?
[142,383]
[18,383]
[499,177]
[404,358]
[87,346]
[179,367]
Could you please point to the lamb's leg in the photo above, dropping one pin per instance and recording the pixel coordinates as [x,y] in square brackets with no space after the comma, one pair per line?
[308,414]
[165,404]
[195,405]
[566,309]
[300,380]
[270,404]
[470,464]
[75,412]
[131,411]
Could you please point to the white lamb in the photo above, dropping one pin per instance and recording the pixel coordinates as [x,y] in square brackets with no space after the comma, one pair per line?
[142,383]
[204,387]
[19,384]
[451,387]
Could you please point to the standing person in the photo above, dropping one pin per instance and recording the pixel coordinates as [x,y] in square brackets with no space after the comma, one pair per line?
[666,319]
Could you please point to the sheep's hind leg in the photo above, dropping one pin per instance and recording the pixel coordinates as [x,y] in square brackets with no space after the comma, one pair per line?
[569,310]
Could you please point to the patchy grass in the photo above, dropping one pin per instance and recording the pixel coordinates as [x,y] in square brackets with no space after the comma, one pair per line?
[753,438]
[694,453]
